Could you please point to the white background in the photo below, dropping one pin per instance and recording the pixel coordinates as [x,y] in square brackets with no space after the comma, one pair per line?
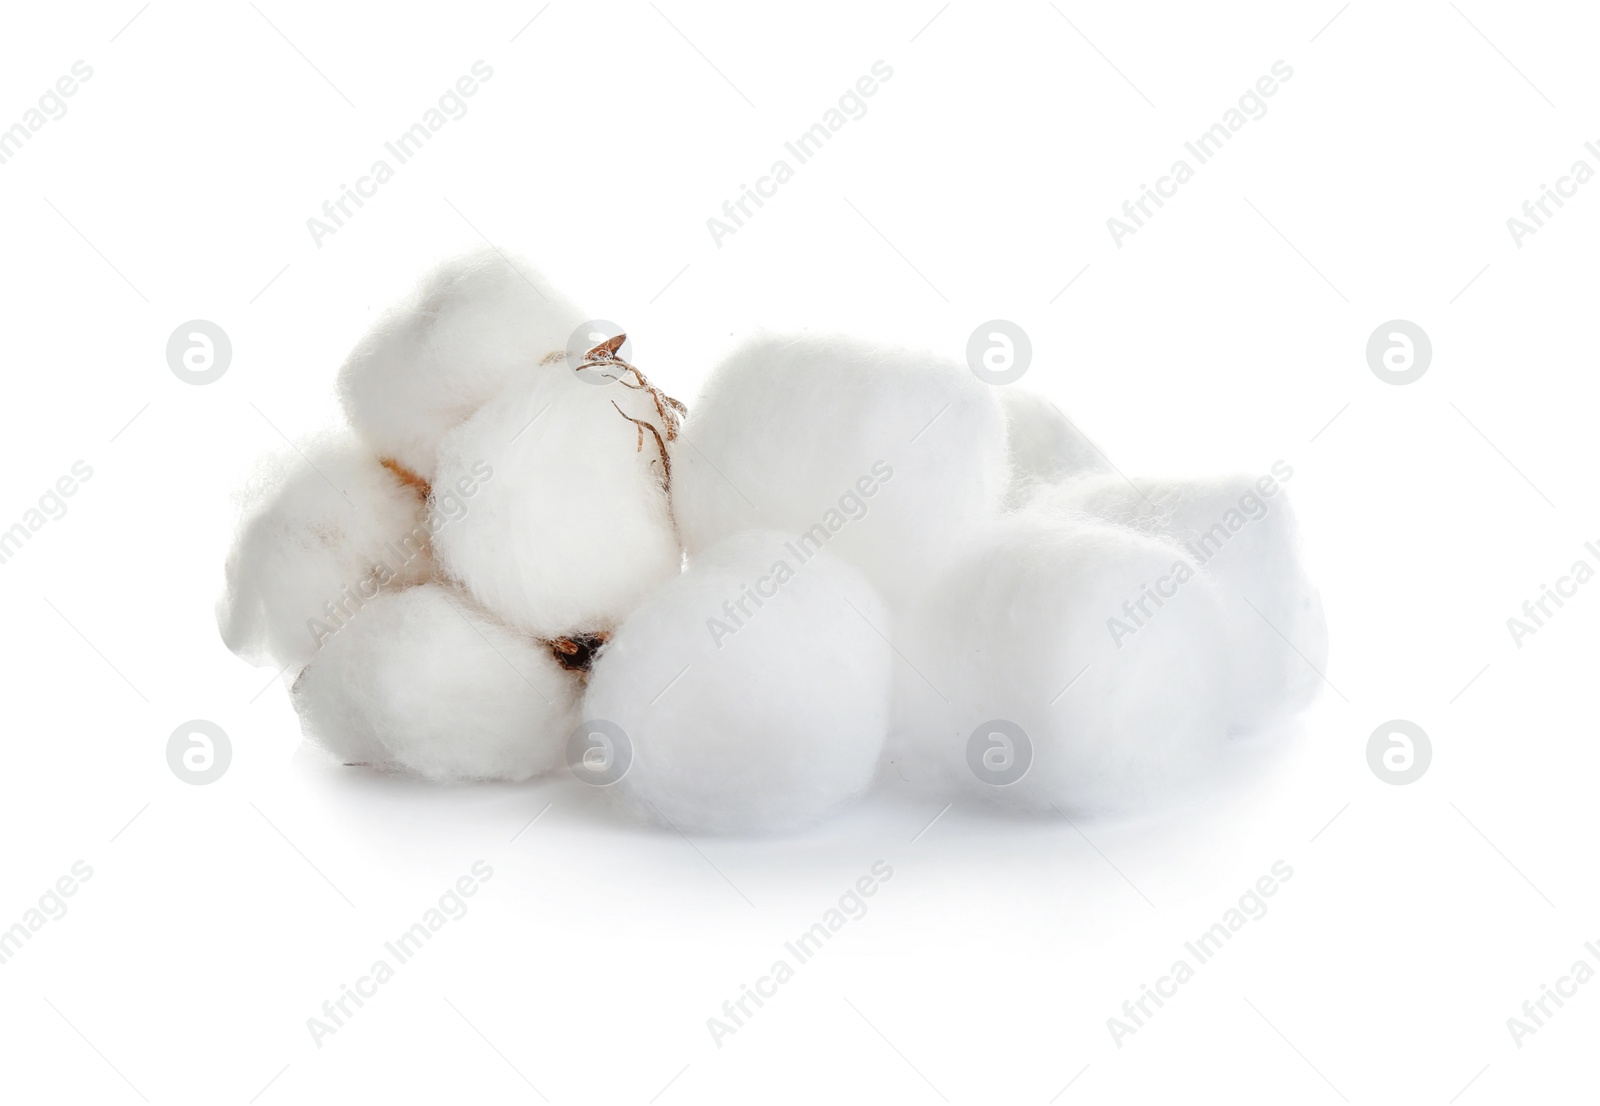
[1224,335]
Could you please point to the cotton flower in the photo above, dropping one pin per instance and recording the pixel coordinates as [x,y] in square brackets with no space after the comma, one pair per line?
[474,326]
[573,526]
[321,536]
[423,683]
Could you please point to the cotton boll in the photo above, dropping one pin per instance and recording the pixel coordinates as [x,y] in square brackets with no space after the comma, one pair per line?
[885,456]
[569,525]
[1102,646]
[475,325]
[1043,446]
[421,682]
[321,534]
[754,689]
[1242,531]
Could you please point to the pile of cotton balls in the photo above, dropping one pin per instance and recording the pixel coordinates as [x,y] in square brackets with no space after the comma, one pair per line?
[844,560]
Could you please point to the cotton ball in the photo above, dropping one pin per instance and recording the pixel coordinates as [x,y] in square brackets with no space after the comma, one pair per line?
[754,689]
[1089,658]
[1242,531]
[421,682]
[320,535]
[885,456]
[569,525]
[1043,446]
[472,327]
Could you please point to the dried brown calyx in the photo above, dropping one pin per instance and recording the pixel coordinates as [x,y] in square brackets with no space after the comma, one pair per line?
[669,411]
[576,653]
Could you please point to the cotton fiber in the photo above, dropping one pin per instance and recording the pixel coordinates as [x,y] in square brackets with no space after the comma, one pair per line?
[1043,445]
[474,326]
[754,689]
[1241,531]
[1104,648]
[321,535]
[885,456]
[573,527]
[521,543]
[421,682]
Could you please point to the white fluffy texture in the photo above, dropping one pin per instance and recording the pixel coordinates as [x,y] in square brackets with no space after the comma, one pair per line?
[422,683]
[329,528]
[762,729]
[800,424]
[475,325]
[573,527]
[1023,615]
[1247,543]
[1043,446]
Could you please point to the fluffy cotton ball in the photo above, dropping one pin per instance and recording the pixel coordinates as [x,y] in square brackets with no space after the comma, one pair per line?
[885,456]
[754,688]
[475,325]
[1043,446]
[320,535]
[421,682]
[1104,647]
[568,526]
[1242,531]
